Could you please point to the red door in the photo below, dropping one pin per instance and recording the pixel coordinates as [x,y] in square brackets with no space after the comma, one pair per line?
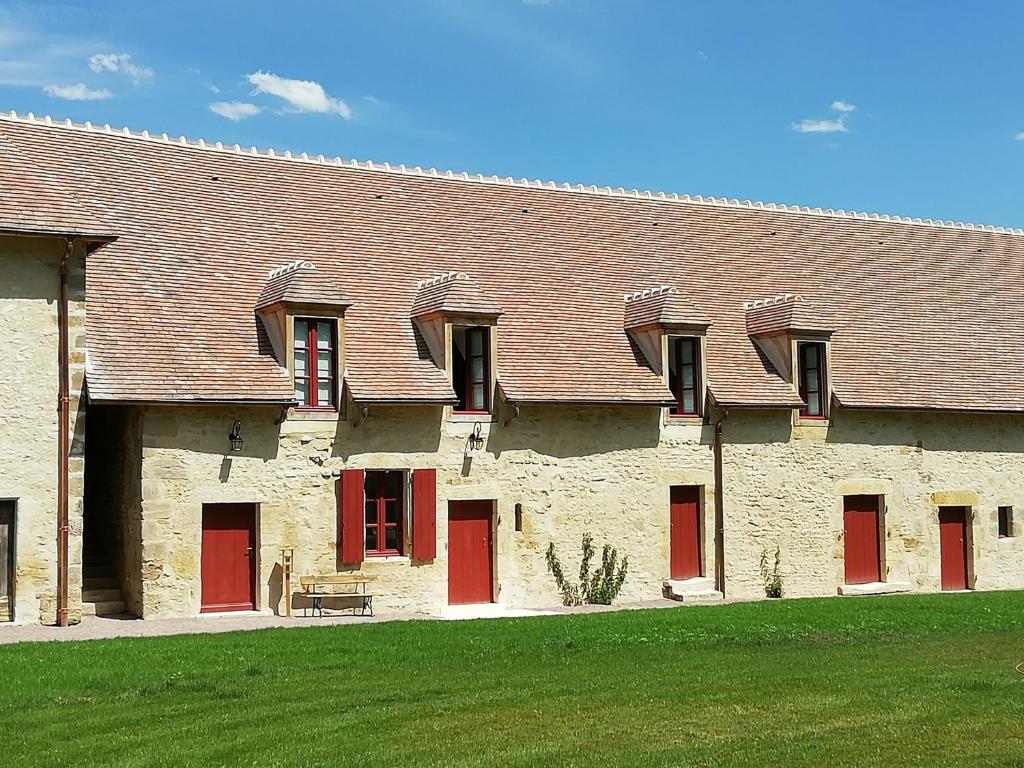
[953,547]
[860,540]
[229,557]
[684,534]
[470,568]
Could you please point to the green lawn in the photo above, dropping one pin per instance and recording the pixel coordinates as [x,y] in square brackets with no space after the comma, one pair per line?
[891,681]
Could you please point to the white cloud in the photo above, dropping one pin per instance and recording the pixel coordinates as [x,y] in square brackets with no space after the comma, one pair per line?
[121,63]
[820,126]
[301,95]
[76,92]
[1019,136]
[837,125]
[235,110]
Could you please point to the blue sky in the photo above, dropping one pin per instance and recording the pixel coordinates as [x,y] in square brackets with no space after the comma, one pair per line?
[896,107]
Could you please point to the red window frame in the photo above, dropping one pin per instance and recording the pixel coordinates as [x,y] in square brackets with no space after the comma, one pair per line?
[310,374]
[468,381]
[679,390]
[811,372]
[382,487]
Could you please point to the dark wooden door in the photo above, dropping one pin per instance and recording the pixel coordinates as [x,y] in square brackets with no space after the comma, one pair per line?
[229,557]
[860,540]
[470,564]
[953,547]
[684,533]
[6,560]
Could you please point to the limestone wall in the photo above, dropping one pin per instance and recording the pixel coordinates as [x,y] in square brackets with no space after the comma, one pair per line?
[29,288]
[603,470]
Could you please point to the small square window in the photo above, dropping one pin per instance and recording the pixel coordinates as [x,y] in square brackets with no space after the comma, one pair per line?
[1005,522]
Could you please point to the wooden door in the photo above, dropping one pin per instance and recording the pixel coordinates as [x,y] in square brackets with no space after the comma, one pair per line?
[6,560]
[470,564]
[861,556]
[953,547]
[684,533]
[229,557]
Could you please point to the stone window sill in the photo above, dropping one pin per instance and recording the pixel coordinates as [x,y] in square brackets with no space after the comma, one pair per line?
[388,559]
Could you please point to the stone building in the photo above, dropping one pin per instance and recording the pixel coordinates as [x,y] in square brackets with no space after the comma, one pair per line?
[428,377]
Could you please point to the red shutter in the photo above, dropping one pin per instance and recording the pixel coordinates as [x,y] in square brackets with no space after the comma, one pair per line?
[424,514]
[350,517]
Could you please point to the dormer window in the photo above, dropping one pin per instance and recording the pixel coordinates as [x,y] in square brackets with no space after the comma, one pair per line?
[671,330]
[471,368]
[684,366]
[459,323]
[811,362]
[315,360]
[303,314]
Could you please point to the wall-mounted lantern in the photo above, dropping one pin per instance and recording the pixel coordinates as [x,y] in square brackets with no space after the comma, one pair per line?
[235,437]
[476,440]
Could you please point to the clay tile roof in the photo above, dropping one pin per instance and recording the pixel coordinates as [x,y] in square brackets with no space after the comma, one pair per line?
[663,306]
[786,313]
[927,312]
[299,283]
[452,293]
[38,200]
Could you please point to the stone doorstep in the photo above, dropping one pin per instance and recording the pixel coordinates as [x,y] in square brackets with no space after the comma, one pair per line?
[875,588]
[700,589]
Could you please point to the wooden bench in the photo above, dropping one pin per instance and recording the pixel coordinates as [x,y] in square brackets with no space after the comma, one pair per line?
[316,588]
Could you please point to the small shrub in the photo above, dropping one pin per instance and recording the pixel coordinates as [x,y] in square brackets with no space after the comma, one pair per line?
[598,588]
[772,578]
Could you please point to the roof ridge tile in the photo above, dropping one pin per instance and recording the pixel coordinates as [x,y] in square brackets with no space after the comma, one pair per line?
[369,165]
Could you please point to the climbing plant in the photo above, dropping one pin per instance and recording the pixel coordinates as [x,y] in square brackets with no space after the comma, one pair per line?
[598,587]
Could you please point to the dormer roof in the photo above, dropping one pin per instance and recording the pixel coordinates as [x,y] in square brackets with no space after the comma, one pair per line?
[298,283]
[663,306]
[455,294]
[787,313]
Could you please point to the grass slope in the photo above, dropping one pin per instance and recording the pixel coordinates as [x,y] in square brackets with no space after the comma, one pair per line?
[914,680]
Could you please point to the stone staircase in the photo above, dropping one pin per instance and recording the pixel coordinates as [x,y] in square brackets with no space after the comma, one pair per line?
[696,590]
[101,595]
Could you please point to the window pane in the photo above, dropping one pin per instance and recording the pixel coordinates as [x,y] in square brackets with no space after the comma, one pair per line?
[371,538]
[476,342]
[323,335]
[687,351]
[391,511]
[371,511]
[301,329]
[323,392]
[688,402]
[323,364]
[813,404]
[478,397]
[300,360]
[391,538]
[476,369]
[302,391]
[688,377]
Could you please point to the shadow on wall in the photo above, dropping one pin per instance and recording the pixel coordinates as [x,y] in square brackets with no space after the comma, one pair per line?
[205,429]
[391,429]
[930,430]
[564,431]
[30,267]
[275,589]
